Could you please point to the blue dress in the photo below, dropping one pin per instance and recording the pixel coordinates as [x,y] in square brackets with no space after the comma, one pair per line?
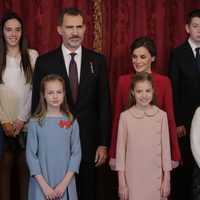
[52,151]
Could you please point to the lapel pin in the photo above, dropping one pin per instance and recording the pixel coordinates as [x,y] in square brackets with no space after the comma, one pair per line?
[91,68]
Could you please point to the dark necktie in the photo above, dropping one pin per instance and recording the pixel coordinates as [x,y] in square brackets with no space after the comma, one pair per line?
[198,56]
[73,77]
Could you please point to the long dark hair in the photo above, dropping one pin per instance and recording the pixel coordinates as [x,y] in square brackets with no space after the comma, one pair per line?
[140,77]
[23,46]
[42,106]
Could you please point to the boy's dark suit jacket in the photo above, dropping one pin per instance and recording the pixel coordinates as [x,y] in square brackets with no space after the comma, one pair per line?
[185,78]
[92,108]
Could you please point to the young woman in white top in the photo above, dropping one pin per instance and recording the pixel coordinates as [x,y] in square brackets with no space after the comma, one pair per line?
[16,68]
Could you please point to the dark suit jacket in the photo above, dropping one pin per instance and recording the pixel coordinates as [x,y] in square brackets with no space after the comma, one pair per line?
[92,108]
[185,78]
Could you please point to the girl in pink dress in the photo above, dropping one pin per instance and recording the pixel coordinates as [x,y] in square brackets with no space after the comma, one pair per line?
[143,158]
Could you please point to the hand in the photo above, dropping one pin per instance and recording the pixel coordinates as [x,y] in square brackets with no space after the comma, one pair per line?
[17,126]
[7,127]
[180,130]
[60,189]
[165,187]
[50,194]
[175,163]
[112,164]
[123,192]
[101,156]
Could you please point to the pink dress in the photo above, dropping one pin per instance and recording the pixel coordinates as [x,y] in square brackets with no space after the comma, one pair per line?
[143,151]
[163,92]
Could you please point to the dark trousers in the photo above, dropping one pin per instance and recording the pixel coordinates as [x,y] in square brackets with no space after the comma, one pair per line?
[182,176]
[181,183]
[86,182]
[195,186]
[107,183]
[102,185]
[14,173]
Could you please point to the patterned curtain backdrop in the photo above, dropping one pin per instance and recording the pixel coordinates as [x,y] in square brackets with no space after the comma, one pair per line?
[124,21]
[112,25]
[40,19]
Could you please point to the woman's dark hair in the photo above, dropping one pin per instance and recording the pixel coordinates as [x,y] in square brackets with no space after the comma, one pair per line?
[146,42]
[23,46]
[140,77]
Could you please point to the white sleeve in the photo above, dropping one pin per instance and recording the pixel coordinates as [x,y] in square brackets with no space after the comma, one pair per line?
[3,116]
[195,136]
[121,145]
[32,149]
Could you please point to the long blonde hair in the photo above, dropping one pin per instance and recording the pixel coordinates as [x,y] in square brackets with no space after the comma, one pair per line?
[41,110]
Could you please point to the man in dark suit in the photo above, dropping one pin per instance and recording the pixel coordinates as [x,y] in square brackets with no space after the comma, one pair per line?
[92,106]
[185,78]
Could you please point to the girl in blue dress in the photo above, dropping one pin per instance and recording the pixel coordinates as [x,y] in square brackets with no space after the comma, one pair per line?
[53,149]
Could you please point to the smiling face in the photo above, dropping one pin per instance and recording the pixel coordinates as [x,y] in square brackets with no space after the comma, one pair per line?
[143,93]
[54,95]
[72,31]
[142,60]
[194,30]
[12,32]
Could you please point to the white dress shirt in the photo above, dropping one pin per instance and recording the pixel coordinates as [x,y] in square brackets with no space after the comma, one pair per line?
[77,58]
[193,46]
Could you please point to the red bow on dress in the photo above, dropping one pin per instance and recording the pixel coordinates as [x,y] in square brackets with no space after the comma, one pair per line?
[65,124]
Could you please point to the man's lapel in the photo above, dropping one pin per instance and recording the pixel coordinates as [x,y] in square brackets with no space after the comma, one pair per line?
[84,76]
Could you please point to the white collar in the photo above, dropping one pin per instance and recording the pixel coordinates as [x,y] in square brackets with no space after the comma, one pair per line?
[135,112]
[193,46]
[66,51]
